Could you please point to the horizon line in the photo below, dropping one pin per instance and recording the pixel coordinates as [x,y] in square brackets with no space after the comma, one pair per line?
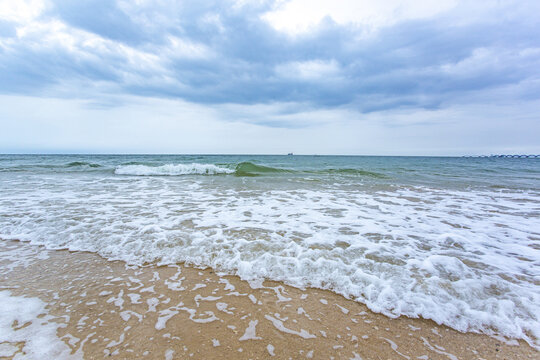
[255,154]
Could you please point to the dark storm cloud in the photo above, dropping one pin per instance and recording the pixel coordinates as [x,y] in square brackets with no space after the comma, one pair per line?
[228,54]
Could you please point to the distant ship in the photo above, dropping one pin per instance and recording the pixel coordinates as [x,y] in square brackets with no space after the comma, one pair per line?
[289,154]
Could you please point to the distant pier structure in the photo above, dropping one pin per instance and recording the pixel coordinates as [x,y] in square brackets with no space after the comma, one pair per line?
[507,156]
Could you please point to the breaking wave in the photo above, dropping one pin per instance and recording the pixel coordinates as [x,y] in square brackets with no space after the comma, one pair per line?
[172,170]
[241,169]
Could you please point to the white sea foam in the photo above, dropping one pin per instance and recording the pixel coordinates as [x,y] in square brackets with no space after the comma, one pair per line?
[251,332]
[38,334]
[467,259]
[172,170]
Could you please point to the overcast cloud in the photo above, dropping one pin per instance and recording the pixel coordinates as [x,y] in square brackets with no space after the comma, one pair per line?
[361,77]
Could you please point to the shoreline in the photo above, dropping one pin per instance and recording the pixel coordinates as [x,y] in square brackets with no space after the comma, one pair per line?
[108,308]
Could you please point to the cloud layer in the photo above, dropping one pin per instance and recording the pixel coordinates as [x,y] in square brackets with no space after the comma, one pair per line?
[225,52]
[279,56]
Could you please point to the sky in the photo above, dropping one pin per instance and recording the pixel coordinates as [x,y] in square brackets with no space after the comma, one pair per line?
[366,77]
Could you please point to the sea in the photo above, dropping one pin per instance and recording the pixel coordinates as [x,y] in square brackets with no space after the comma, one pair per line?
[455,240]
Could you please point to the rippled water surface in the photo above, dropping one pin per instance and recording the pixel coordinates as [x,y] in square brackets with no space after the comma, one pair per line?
[456,240]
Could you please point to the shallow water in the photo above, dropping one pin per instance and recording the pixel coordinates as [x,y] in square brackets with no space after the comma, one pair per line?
[456,240]
[65,305]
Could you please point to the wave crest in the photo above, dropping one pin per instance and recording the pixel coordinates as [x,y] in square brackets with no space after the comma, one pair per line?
[82,163]
[241,169]
[172,170]
[250,169]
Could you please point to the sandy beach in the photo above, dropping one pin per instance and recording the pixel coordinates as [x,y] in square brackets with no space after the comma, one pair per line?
[103,308]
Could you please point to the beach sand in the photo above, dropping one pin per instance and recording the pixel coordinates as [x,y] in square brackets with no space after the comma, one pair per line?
[108,309]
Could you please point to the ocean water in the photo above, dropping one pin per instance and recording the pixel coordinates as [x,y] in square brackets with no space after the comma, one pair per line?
[456,240]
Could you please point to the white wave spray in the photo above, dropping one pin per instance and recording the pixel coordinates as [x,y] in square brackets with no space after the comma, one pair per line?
[172,170]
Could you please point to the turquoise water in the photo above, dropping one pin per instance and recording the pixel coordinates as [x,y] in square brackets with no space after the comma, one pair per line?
[456,240]
[432,171]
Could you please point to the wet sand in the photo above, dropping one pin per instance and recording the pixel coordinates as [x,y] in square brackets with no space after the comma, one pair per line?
[110,309]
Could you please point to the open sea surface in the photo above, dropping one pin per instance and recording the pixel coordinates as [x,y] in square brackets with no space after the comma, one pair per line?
[455,240]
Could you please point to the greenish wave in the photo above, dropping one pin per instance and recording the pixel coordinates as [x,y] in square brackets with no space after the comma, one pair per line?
[82,163]
[249,169]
